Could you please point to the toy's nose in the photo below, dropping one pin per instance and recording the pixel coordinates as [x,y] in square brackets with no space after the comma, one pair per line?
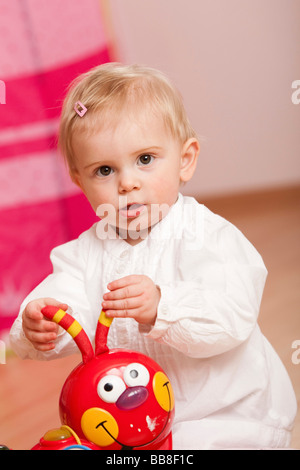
[132,398]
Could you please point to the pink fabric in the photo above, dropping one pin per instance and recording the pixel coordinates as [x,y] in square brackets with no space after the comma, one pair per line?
[44,45]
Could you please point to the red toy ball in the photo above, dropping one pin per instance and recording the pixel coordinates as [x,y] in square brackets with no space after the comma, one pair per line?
[115,399]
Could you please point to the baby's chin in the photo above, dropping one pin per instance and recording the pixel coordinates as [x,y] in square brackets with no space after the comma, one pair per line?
[133,236]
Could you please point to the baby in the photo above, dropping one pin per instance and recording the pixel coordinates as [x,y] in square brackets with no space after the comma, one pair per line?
[183,284]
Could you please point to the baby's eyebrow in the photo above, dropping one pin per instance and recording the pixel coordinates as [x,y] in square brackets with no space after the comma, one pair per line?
[147,149]
[95,163]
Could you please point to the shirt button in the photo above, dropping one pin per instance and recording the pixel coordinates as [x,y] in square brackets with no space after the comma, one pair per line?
[124,254]
[164,309]
[273,414]
[121,268]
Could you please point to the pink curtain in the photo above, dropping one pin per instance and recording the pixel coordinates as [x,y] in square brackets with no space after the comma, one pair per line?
[43,46]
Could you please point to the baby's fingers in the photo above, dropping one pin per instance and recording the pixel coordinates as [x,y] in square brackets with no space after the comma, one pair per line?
[126,292]
[43,345]
[41,338]
[32,313]
[42,325]
[124,305]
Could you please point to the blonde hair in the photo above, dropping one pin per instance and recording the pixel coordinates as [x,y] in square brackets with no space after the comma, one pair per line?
[107,90]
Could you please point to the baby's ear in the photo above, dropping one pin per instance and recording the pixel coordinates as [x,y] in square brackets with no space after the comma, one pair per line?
[189,157]
[75,177]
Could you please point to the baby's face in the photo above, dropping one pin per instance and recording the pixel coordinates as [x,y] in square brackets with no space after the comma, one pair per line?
[130,168]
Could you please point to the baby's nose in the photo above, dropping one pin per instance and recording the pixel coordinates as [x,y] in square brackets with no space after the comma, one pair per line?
[128,182]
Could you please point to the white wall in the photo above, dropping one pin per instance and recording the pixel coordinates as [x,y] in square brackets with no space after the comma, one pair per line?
[234,62]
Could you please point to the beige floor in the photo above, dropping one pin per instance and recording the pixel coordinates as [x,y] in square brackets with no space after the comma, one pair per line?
[29,391]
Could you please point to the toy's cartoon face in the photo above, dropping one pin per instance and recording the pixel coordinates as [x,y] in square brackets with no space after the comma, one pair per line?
[115,399]
[120,399]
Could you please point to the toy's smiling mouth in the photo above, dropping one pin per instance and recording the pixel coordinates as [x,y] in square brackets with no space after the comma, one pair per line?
[126,447]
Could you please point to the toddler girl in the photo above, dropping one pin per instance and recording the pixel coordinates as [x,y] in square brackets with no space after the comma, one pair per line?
[183,284]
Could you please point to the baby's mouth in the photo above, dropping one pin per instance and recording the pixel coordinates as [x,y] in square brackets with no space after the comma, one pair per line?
[131,211]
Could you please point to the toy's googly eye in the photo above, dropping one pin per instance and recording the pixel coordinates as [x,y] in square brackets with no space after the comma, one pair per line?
[110,388]
[136,374]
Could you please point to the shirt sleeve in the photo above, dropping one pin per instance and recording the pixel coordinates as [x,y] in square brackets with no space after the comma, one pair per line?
[67,285]
[214,305]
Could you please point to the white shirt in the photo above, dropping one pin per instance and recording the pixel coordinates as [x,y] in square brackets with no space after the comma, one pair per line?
[231,389]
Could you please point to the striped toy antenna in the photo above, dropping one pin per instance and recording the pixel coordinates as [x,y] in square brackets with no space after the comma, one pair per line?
[101,333]
[68,323]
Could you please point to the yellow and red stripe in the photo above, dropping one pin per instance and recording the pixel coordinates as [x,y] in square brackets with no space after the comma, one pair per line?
[68,323]
[103,325]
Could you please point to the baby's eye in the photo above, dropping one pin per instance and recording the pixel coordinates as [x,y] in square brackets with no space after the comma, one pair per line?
[145,159]
[104,171]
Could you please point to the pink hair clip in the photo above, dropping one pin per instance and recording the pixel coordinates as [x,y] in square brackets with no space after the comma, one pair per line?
[80,108]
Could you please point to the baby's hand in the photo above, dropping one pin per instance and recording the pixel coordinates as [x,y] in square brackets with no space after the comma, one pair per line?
[133,296]
[40,331]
